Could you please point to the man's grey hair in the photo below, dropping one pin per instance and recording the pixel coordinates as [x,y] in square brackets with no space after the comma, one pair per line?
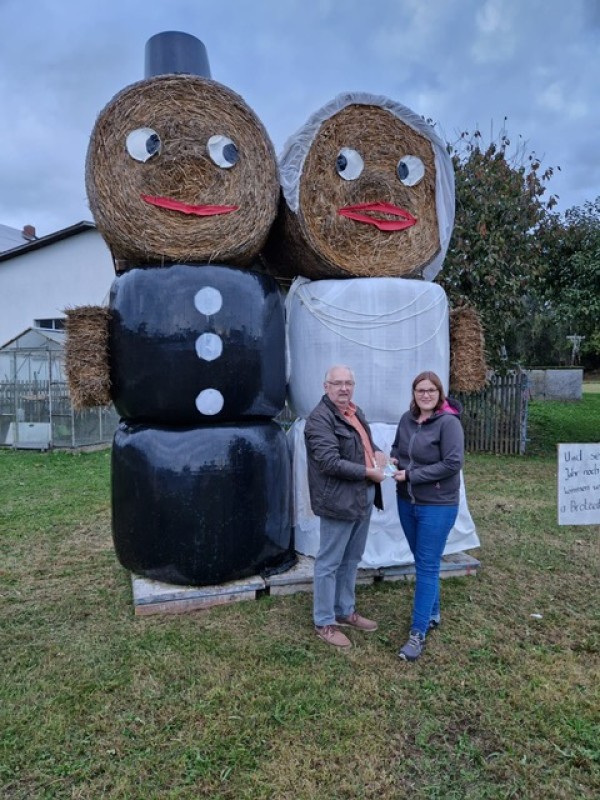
[339,366]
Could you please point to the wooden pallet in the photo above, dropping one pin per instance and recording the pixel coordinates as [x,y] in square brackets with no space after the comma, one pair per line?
[154,597]
[455,565]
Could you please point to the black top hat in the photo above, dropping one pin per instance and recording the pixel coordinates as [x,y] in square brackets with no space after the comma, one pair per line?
[173,52]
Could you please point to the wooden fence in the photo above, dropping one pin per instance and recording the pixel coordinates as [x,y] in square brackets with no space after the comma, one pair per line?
[495,420]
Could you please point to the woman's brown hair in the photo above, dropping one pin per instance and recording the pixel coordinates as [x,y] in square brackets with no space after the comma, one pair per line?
[427,376]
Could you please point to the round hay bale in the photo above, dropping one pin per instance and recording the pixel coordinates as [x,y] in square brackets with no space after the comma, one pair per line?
[171,200]
[468,370]
[86,356]
[368,191]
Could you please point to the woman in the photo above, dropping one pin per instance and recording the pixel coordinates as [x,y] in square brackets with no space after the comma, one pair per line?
[429,453]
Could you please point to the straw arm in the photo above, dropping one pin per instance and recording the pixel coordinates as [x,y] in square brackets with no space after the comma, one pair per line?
[468,369]
[86,356]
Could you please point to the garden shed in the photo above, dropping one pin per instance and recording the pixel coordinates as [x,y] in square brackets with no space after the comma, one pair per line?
[35,407]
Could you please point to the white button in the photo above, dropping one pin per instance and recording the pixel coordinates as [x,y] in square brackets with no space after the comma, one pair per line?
[209,346]
[208,300]
[210,402]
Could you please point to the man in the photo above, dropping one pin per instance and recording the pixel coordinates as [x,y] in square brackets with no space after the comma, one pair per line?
[345,469]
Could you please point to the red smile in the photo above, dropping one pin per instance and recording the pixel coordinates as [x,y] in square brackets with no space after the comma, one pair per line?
[185,208]
[406,219]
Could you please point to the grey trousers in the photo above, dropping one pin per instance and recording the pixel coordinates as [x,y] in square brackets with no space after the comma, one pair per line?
[342,544]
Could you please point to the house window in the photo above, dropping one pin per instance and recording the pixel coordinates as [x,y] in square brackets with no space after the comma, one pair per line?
[57,324]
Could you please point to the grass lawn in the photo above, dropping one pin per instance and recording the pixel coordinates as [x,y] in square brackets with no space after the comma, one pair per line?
[550,423]
[243,701]
[592,387]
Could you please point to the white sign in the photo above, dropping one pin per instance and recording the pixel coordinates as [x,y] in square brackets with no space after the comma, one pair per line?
[579,484]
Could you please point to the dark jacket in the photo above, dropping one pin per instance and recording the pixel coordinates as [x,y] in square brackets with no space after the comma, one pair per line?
[336,464]
[432,453]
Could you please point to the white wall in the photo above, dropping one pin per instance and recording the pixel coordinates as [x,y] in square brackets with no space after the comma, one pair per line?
[40,284]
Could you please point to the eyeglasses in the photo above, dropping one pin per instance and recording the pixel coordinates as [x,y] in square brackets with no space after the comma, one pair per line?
[340,383]
[423,392]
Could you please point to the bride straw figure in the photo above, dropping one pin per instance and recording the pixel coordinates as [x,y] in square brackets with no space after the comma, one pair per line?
[365,221]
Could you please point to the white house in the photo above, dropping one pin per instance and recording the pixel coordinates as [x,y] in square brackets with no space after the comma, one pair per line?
[39,278]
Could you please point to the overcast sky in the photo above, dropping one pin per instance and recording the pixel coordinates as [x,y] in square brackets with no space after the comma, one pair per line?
[462,63]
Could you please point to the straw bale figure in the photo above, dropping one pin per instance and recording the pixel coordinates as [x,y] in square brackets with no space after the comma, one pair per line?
[183,185]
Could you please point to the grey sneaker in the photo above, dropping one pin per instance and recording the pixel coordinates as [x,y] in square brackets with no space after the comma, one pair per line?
[434,623]
[413,648]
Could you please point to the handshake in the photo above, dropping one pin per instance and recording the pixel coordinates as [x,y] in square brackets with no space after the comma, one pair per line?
[383,467]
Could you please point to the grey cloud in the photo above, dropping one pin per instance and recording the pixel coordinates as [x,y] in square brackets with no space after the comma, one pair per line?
[60,63]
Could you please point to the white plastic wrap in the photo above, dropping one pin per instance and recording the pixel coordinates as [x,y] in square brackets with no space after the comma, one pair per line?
[387,330]
[386,545]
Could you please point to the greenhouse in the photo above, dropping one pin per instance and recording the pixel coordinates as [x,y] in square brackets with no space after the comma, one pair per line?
[35,407]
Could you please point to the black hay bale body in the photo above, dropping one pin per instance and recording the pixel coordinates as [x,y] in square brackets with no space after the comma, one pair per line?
[86,356]
[184,111]
[202,505]
[167,349]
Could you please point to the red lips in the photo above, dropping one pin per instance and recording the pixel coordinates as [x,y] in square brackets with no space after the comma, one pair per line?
[185,208]
[357,213]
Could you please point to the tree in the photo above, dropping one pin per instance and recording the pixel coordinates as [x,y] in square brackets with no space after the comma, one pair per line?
[570,280]
[494,259]
[540,340]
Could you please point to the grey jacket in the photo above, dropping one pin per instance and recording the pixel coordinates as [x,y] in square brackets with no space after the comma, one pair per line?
[432,453]
[336,464]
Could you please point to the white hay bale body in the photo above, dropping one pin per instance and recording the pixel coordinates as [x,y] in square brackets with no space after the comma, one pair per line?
[387,330]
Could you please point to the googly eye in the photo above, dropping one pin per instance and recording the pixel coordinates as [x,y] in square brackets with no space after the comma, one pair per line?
[223,151]
[143,143]
[410,170]
[349,164]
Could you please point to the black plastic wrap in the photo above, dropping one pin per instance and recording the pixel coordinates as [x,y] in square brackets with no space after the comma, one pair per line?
[201,506]
[195,344]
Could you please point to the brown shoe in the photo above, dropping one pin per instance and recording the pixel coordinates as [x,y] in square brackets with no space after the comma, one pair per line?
[331,635]
[356,621]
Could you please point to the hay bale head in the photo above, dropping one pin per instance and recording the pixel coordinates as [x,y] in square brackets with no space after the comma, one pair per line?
[179,168]
[368,191]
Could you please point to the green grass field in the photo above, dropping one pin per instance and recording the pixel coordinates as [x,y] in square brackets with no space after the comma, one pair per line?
[244,702]
[591,387]
[550,423]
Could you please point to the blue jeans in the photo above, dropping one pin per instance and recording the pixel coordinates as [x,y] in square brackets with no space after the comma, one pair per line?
[426,529]
[342,543]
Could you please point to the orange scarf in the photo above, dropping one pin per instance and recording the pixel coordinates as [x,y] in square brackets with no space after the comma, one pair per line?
[350,415]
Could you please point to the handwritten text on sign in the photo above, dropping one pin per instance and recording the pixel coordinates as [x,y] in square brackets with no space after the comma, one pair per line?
[579,484]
